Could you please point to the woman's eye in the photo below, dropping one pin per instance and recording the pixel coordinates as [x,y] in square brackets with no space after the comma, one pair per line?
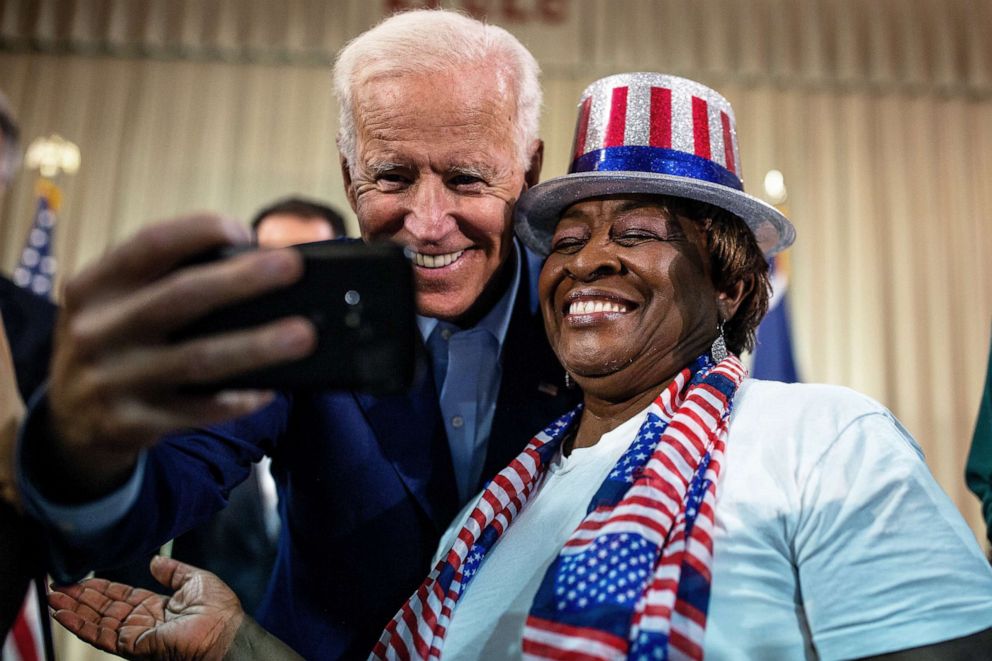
[566,245]
[635,236]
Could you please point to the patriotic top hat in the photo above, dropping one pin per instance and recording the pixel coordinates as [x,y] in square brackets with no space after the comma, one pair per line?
[656,134]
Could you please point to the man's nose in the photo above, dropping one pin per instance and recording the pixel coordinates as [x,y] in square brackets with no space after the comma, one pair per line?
[429,217]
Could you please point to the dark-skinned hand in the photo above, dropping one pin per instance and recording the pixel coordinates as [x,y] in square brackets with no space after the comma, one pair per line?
[198,622]
[118,383]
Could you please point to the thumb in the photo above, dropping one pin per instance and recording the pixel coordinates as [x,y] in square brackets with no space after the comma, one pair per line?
[171,573]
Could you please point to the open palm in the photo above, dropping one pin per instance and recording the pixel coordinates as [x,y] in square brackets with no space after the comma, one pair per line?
[199,621]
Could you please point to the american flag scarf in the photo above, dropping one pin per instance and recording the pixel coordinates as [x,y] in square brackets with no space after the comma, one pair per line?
[633,580]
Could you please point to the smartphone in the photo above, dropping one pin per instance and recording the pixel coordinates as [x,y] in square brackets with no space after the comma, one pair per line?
[360,297]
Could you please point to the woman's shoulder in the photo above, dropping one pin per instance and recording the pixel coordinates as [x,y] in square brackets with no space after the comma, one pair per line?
[792,399]
[775,397]
[814,415]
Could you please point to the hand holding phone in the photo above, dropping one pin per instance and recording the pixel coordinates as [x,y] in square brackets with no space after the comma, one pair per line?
[361,300]
[117,383]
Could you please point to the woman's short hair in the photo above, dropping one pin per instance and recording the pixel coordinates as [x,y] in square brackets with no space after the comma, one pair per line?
[734,257]
[432,41]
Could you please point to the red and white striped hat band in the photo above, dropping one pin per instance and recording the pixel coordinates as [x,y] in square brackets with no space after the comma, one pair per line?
[652,133]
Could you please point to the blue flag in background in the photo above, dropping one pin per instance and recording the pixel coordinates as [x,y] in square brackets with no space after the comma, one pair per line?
[36,269]
[773,359]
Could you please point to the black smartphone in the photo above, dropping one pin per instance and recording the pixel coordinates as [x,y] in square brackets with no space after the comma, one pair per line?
[361,299]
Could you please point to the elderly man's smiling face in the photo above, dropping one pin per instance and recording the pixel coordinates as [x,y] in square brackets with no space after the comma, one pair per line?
[438,171]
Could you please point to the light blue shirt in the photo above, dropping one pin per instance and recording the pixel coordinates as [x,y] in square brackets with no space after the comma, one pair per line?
[467,373]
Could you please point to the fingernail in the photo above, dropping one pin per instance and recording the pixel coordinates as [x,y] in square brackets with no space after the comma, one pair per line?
[278,262]
[236,229]
[296,335]
[242,399]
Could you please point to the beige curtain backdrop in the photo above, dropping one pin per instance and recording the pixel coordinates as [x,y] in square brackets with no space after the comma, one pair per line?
[878,113]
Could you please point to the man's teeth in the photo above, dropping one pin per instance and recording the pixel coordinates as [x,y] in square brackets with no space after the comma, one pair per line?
[589,307]
[436,261]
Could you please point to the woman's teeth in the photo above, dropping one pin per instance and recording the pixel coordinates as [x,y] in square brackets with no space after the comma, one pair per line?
[436,261]
[590,307]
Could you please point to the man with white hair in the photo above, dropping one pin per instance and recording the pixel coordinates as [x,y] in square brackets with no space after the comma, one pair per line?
[439,121]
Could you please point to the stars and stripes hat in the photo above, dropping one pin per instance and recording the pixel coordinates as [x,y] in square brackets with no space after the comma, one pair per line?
[657,134]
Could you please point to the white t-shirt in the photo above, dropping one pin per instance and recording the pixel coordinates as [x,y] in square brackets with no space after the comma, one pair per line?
[832,538]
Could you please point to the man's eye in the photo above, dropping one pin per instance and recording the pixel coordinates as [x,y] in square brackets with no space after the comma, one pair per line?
[465,181]
[392,181]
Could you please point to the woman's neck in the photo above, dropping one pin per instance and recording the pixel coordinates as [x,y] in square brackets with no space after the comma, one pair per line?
[600,416]
[612,399]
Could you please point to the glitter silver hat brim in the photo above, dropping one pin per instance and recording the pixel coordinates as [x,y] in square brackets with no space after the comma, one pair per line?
[538,209]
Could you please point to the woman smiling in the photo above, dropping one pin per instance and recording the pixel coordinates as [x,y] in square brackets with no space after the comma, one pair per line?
[682,510]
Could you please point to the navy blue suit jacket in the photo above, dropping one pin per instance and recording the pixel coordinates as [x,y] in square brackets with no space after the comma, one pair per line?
[366,488]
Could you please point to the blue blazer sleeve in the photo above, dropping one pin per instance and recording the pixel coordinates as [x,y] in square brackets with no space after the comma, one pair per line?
[184,479]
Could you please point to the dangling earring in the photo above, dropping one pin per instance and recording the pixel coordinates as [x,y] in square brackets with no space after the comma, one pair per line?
[569,383]
[719,347]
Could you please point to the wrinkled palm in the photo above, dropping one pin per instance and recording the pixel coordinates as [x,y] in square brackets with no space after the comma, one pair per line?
[198,622]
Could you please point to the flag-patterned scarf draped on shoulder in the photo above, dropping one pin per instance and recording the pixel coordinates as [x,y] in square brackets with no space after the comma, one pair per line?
[656,505]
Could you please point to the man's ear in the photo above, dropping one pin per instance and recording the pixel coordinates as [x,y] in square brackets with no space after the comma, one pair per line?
[349,190]
[533,174]
[729,300]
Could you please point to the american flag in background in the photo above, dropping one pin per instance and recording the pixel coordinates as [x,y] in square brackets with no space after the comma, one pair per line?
[773,357]
[36,269]
[28,639]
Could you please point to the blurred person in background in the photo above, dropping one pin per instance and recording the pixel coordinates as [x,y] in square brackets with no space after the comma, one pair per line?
[294,220]
[978,469]
[28,318]
[25,349]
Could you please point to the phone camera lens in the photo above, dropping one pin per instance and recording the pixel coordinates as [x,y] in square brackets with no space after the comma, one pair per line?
[352,297]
